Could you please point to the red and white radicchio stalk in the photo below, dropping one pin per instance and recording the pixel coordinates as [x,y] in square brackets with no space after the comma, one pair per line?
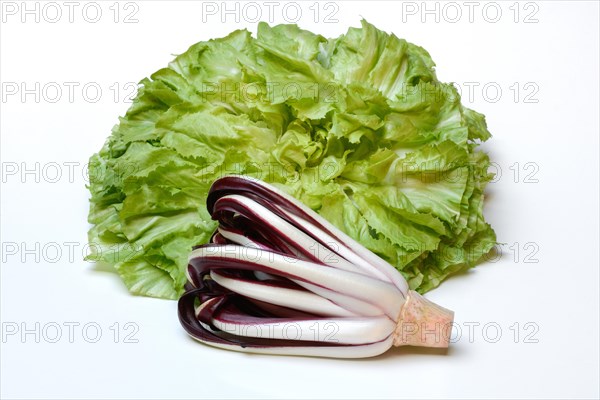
[279,279]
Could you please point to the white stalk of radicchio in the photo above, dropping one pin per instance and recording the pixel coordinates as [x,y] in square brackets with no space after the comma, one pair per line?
[277,278]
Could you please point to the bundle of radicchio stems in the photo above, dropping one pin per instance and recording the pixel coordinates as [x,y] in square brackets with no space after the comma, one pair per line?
[277,278]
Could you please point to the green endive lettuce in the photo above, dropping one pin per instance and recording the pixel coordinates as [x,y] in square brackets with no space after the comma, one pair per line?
[358,128]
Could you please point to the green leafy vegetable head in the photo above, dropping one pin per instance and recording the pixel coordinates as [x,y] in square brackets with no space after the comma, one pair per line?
[357,127]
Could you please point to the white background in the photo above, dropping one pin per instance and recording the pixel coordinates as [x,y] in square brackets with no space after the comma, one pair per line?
[541,295]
